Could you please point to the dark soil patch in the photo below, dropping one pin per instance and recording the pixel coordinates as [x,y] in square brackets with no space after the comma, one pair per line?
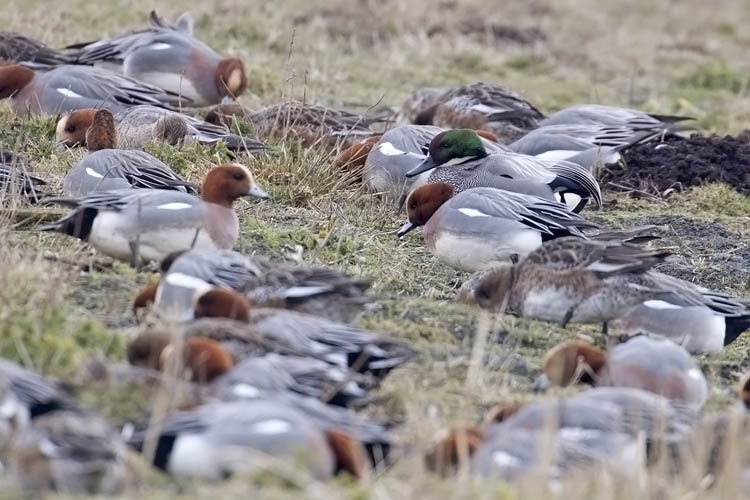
[659,168]
[711,255]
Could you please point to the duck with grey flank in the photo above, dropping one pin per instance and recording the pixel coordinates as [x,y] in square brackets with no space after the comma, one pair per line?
[480,226]
[646,362]
[170,58]
[106,168]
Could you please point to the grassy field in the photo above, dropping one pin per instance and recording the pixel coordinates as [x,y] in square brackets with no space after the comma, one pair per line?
[685,57]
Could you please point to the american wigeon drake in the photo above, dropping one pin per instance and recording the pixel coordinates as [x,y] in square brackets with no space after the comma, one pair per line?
[386,161]
[310,124]
[68,88]
[479,226]
[106,168]
[700,320]
[612,116]
[483,106]
[572,280]
[653,364]
[170,59]
[215,441]
[138,125]
[17,48]
[149,224]
[314,290]
[70,452]
[16,180]
[263,329]
[459,158]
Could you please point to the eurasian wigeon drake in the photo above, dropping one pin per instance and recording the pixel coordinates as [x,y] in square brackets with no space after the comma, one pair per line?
[171,59]
[205,360]
[314,290]
[17,48]
[202,359]
[599,427]
[653,364]
[107,169]
[459,158]
[303,375]
[149,224]
[310,124]
[480,226]
[70,452]
[302,334]
[612,116]
[370,433]
[700,320]
[67,88]
[480,106]
[138,125]
[572,280]
[15,179]
[217,440]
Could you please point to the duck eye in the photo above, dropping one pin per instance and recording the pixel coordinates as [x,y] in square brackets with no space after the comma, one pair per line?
[70,128]
[238,176]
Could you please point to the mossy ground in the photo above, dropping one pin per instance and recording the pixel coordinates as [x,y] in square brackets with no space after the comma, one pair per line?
[685,58]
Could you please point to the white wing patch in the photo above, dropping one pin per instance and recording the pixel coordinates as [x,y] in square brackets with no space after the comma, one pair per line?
[487,110]
[69,93]
[505,459]
[695,374]
[273,426]
[159,46]
[245,391]
[186,281]
[557,154]
[93,173]
[177,205]
[472,212]
[389,149]
[660,304]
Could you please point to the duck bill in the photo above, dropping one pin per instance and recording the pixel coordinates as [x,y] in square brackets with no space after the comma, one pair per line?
[405,229]
[542,383]
[258,192]
[426,165]
[62,145]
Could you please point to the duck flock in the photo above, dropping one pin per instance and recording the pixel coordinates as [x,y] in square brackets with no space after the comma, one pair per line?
[261,361]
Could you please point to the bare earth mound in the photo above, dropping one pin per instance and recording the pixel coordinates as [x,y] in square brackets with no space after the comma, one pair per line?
[679,164]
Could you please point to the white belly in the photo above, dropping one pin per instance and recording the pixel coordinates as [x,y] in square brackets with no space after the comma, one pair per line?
[548,304]
[471,253]
[174,83]
[112,235]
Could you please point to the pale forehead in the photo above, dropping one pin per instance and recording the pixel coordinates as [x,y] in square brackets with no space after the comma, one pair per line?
[244,168]
[62,123]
